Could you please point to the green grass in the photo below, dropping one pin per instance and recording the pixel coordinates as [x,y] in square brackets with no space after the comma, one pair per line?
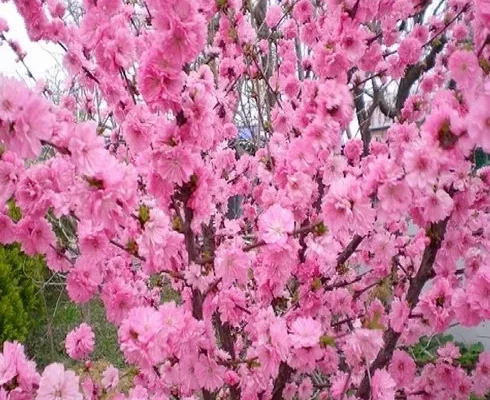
[45,344]
[425,351]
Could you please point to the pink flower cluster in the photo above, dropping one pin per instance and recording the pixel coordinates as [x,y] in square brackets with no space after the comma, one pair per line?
[25,119]
[80,342]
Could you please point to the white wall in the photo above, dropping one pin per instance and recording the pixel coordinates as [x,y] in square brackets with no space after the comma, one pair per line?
[477,334]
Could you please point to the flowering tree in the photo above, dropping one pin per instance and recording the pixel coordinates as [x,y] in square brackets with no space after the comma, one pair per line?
[315,284]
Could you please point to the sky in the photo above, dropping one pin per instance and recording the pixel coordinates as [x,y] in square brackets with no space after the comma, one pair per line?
[41,57]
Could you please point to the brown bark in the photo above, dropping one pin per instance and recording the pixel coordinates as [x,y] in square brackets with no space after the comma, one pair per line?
[436,233]
[285,373]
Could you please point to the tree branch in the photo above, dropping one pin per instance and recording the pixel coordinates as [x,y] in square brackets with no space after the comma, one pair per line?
[285,373]
[350,249]
[414,72]
[436,233]
[299,231]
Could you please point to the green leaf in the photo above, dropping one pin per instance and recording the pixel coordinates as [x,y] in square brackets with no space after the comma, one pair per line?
[144,214]
[14,211]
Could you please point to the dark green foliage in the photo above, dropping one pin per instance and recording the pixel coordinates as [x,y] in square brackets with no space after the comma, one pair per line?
[469,354]
[425,351]
[13,210]
[21,308]
[481,158]
[35,310]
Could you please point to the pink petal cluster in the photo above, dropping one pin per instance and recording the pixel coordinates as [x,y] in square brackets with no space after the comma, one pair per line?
[58,384]
[25,119]
[80,342]
[305,332]
[275,224]
[17,373]
[383,386]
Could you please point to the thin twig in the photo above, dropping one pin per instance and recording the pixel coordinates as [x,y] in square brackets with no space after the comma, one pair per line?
[442,30]
[261,243]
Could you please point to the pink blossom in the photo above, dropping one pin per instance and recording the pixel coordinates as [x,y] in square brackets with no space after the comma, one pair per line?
[305,359]
[231,265]
[110,377]
[7,229]
[3,25]
[340,382]
[436,205]
[449,352]
[35,235]
[300,187]
[410,50]
[273,16]
[231,378]
[139,335]
[477,292]
[301,158]
[275,224]
[58,384]
[92,241]
[309,33]
[138,128]
[10,170]
[33,193]
[345,207]
[119,298]
[365,343]
[402,368]
[305,389]
[478,120]
[174,164]
[353,150]
[302,11]
[25,119]
[17,374]
[483,10]
[305,332]
[329,62]
[289,391]
[399,315]
[482,374]
[159,78]
[235,159]
[83,280]
[421,33]
[80,342]
[464,386]
[89,388]
[209,374]
[9,360]
[435,305]
[87,149]
[330,362]
[383,386]
[353,44]
[185,40]
[420,167]
[231,305]
[395,198]
[464,68]
[463,310]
